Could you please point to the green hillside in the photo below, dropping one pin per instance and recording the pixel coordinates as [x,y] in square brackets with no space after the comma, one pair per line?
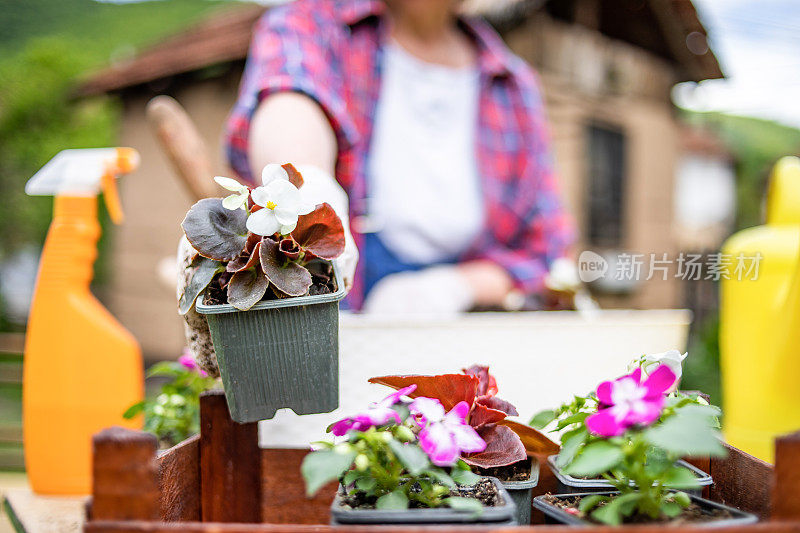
[100,28]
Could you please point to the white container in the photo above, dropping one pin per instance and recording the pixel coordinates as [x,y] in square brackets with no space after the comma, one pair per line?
[539,358]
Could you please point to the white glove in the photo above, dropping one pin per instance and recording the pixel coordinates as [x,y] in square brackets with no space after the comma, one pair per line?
[318,187]
[435,290]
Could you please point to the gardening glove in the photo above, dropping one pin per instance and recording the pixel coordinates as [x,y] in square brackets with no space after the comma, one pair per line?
[436,290]
[318,187]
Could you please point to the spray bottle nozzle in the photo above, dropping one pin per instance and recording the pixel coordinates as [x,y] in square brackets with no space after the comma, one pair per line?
[86,173]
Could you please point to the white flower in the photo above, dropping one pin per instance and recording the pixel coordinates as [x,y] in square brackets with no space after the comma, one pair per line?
[235,201]
[563,276]
[672,358]
[281,202]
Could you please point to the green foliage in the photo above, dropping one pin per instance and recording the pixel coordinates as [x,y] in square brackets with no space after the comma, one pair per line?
[701,370]
[381,465]
[756,145]
[174,414]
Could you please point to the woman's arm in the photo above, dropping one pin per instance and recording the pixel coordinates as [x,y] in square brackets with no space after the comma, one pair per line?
[291,127]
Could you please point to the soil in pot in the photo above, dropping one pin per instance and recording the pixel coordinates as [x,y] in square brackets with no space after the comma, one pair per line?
[484,491]
[519,471]
[692,514]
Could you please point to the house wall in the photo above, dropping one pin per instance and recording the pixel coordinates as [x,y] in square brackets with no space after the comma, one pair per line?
[586,79]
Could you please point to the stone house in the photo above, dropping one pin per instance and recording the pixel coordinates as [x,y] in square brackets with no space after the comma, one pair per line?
[607,69]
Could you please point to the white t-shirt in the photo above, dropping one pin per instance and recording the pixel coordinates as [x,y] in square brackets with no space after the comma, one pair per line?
[424,185]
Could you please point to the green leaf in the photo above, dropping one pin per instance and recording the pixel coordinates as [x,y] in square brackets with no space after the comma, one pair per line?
[577,418]
[247,288]
[570,446]
[394,500]
[134,410]
[411,456]
[441,478]
[464,477]
[466,505]
[679,477]
[202,276]
[590,502]
[671,509]
[322,467]
[688,433]
[350,477]
[595,458]
[542,418]
[681,498]
[619,506]
[216,232]
[366,483]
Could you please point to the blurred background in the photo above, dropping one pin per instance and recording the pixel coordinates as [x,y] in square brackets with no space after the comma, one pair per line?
[666,117]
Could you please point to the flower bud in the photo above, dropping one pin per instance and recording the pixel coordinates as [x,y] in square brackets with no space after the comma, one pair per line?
[342,448]
[404,434]
[362,462]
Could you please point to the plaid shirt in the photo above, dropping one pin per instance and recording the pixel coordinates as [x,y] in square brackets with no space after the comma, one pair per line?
[330,50]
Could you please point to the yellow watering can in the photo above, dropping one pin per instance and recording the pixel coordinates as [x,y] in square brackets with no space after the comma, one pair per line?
[760,321]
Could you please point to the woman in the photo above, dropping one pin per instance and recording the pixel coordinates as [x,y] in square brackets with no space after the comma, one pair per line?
[431,126]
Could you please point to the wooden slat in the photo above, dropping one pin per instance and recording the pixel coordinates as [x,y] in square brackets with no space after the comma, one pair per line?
[786,489]
[196,527]
[230,464]
[742,481]
[179,481]
[124,475]
[284,500]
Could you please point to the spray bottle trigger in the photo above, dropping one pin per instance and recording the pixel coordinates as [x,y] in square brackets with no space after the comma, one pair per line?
[108,184]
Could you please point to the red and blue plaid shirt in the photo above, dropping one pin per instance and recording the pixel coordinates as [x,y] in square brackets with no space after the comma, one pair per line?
[330,50]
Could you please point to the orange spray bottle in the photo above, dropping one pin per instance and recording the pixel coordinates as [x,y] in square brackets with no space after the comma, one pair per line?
[82,369]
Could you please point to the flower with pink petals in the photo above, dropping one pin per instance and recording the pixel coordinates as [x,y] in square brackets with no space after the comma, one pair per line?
[189,363]
[445,436]
[629,401]
[378,414]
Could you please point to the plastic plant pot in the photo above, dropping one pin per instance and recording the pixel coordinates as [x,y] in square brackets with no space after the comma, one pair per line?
[556,515]
[522,493]
[279,353]
[568,484]
[505,514]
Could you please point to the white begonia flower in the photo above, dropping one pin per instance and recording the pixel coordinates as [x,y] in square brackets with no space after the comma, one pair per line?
[235,201]
[563,276]
[273,172]
[282,204]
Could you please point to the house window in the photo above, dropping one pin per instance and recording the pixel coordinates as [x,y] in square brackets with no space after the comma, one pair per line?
[606,153]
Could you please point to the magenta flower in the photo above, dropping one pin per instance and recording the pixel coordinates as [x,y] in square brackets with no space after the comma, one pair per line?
[190,364]
[378,414]
[628,401]
[445,436]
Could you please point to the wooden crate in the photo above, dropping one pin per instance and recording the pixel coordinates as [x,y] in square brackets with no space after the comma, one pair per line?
[220,481]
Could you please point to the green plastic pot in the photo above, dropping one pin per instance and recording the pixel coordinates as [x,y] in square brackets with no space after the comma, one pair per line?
[279,353]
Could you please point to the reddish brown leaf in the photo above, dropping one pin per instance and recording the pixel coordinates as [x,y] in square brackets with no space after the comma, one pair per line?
[449,389]
[535,441]
[246,259]
[215,232]
[503,447]
[493,402]
[320,232]
[289,278]
[487,385]
[289,247]
[247,288]
[480,415]
[295,178]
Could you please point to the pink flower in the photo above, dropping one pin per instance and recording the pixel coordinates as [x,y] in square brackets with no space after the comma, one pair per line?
[190,364]
[628,401]
[445,435]
[378,414]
